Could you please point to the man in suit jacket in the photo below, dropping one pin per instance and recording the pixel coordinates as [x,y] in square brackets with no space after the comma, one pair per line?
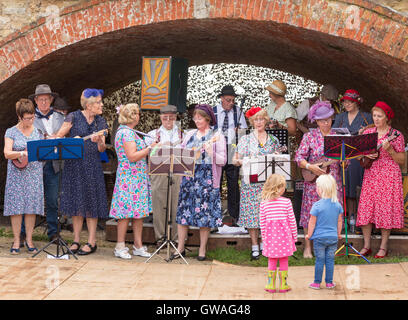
[229,118]
[48,122]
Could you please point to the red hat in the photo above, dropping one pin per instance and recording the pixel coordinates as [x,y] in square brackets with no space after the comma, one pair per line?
[352,95]
[386,108]
[252,111]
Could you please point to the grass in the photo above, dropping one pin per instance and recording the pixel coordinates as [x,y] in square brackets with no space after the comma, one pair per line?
[242,257]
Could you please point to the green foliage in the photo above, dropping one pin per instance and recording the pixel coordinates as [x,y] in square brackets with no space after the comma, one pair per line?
[242,257]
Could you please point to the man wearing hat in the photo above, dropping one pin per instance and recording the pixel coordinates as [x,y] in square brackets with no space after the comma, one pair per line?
[230,118]
[61,106]
[168,134]
[48,122]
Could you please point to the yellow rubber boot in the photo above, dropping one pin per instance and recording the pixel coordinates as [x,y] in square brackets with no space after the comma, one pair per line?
[283,277]
[271,285]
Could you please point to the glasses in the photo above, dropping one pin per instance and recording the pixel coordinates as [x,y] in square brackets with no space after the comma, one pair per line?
[229,100]
[43,100]
[168,118]
[29,119]
[324,120]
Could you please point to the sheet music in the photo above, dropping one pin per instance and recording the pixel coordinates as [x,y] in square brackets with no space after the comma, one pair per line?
[262,168]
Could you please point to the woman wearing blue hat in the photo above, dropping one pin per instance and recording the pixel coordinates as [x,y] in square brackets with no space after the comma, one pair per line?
[83,184]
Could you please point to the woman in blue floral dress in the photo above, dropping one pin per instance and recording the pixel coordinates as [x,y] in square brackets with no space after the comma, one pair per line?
[254,144]
[24,193]
[132,198]
[199,202]
[83,184]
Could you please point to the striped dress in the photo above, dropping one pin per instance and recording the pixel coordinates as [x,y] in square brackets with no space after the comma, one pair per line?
[278,228]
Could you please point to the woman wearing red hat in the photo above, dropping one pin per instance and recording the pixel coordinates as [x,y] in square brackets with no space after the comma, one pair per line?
[257,143]
[381,201]
[353,119]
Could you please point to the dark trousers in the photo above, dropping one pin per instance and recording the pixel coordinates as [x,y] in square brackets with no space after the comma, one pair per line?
[233,194]
[50,179]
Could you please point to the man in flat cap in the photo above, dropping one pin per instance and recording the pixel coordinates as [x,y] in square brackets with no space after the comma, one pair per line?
[168,133]
[48,122]
[229,118]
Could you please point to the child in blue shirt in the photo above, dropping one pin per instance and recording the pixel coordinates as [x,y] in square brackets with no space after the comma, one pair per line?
[324,229]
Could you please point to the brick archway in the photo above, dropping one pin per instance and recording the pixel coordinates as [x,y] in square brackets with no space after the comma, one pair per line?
[99,43]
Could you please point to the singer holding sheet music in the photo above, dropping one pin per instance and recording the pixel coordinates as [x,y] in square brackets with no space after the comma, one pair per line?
[257,143]
[83,184]
[132,197]
[199,203]
[381,200]
[311,150]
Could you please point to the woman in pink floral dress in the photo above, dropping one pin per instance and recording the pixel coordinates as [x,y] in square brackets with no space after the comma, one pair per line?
[311,150]
[132,194]
[381,200]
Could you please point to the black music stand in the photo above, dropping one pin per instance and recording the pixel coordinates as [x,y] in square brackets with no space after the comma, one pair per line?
[168,160]
[343,148]
[59,150]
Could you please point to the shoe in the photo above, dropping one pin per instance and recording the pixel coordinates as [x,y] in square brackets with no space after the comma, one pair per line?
[84,253]
[201,258]
[330,285]
[74,251]
[30,249]
[377,256]
[314,285]
[122,253]
[175,255]
[366,253]
[142,252]
[283,277]
[14,250]
[271,285]
[254,256]
[52,237]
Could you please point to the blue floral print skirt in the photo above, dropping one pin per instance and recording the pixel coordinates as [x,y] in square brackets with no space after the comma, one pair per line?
[199,203]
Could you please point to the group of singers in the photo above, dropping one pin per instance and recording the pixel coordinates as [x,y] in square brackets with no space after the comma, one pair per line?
[196,199]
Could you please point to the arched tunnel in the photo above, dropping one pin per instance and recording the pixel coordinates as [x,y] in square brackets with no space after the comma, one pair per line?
[351,44]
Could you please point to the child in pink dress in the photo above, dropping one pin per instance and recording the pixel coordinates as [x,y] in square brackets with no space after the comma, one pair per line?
[278,229]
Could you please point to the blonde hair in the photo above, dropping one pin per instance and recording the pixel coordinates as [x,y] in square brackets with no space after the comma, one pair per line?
[262,113]
[128,113]
[273,186]
[86,101]
[327,187]
[382,111]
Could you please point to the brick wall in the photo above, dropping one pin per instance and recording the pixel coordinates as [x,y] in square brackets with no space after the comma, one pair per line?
[76,44]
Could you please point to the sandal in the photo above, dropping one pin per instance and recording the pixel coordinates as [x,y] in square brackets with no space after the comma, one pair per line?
[30,249]
[366,253]
[75,250]
[14,250]
[377,256]
[84,253]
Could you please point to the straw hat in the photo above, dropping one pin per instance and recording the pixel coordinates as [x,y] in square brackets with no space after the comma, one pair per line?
[277,87]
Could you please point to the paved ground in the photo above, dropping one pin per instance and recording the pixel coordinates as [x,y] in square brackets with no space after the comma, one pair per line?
[102,276]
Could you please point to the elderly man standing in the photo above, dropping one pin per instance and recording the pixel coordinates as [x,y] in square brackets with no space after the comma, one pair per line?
[48,122]
[167,134]
[229,118]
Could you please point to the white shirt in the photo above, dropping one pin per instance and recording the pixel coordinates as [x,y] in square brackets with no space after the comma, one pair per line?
[48,124]
[172,136]
[303,109]
[231,125]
